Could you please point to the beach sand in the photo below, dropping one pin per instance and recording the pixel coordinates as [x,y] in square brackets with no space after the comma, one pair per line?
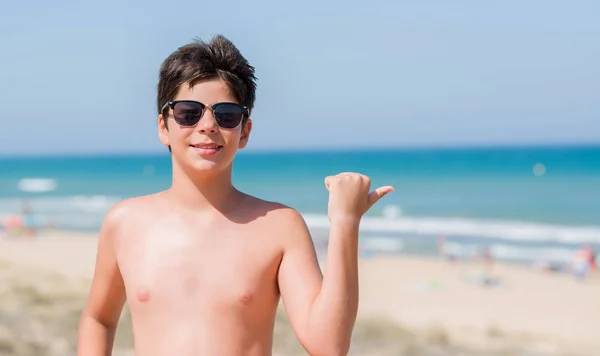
[408,305]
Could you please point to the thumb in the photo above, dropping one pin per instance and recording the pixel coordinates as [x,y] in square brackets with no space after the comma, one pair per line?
[378,193]
[328,181]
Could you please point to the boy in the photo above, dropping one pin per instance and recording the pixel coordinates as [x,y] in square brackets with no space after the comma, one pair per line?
[202,265]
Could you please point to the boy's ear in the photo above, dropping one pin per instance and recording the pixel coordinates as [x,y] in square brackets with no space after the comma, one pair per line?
[246,129]
[163,131]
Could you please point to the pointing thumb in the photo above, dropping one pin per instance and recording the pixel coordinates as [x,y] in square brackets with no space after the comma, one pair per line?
[378,193]
[328,181]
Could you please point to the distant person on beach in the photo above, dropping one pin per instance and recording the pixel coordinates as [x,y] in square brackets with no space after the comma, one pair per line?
[21,225]
[201,265]
[584,262]
[29,220]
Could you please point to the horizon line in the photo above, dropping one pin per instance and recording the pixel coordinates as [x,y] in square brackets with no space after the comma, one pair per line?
[339,149]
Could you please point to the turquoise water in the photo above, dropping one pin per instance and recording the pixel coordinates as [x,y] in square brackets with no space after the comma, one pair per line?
[544,197]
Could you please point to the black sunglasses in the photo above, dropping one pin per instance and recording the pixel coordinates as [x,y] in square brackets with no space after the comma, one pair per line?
[189,112]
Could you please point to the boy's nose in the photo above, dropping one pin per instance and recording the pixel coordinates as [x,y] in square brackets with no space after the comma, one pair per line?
[207,122]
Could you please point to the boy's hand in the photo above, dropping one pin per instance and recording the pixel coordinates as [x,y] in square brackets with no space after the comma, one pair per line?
[349,197]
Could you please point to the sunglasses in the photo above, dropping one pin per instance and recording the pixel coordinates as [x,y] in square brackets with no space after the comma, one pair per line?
[189,112]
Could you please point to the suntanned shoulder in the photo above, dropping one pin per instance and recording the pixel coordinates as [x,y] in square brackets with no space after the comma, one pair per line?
[276,213]
[282,220]
[288,217]
[128,211]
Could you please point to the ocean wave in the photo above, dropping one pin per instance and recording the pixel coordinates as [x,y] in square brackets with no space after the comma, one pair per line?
[75,203]
[512,252]
[37,185]
[506,252]
[68,212]
[494,229]
[382,243]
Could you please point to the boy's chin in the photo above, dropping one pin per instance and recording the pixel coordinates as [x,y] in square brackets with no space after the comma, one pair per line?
[202,164]
[206,165]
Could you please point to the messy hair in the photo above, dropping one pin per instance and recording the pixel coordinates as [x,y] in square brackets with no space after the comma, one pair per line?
[200,60]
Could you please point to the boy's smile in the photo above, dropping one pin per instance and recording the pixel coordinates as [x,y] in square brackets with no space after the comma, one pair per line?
[206,149]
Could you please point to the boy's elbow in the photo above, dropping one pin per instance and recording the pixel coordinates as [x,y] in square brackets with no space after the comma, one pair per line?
[89,319]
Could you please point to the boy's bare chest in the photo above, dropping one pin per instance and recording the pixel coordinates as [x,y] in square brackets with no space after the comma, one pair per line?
[224,269]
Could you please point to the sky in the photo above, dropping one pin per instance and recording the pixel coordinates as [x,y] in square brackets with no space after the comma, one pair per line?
[80,77]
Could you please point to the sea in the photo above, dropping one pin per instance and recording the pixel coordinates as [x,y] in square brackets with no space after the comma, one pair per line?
[520,204]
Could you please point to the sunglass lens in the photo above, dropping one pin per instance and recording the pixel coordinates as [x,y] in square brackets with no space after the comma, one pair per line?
[187,113]
[228,115]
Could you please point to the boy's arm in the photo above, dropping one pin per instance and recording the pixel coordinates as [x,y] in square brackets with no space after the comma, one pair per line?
[105,302]
[322,310]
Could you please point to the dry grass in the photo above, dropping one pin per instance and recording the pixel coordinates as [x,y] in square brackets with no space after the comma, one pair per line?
[493,332]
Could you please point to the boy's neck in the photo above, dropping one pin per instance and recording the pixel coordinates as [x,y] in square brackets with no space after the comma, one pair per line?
[202,192]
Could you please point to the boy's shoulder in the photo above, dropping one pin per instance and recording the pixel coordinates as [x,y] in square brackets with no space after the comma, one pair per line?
[283,223]
[266,207]
[135,205]
[275,214]
[130,209]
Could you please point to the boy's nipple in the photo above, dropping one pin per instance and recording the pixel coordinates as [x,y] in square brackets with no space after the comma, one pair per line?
[246,298]
[143,295]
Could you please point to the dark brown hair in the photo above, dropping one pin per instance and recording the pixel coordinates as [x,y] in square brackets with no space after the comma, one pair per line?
[199,60]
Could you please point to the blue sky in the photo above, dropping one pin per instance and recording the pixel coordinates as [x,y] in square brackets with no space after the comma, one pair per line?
[81,77]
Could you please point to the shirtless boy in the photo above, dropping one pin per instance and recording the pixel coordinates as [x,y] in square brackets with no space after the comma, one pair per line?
[201,264]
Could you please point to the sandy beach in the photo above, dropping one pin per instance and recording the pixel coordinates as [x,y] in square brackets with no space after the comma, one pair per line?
[408,305]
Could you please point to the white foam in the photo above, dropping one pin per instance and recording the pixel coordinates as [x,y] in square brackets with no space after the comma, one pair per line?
[507,230]
[511,252]
[531,253]
[37,185]
[382,244]
[86,212]
[391,211]
[93,203]
[98,203]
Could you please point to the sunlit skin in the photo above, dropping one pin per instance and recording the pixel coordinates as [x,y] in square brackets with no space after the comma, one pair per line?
[202,265]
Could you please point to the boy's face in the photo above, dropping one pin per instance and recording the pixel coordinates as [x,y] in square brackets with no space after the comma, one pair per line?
[190,145]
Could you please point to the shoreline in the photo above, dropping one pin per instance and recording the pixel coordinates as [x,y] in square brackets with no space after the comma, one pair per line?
[373,246]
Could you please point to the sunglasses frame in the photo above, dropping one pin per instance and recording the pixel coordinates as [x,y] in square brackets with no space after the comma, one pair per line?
[172,103]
